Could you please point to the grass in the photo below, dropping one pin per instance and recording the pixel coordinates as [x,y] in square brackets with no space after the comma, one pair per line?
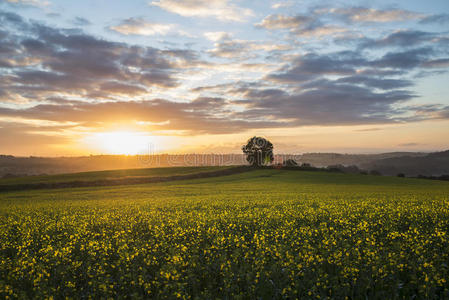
[111,174]
[261,234]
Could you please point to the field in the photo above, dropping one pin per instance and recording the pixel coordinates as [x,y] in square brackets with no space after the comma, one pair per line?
[102,175]
[256,235]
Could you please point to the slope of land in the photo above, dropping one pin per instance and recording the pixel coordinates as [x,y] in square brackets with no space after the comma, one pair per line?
[114,177]
[13,166]
[327,159]
[256,235]
[431,164]
[410,163]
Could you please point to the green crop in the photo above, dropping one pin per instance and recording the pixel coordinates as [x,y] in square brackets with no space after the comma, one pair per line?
[262,234]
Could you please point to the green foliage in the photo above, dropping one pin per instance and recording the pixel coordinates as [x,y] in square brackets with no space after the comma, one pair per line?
[258,151]
[290,163]
[316,235]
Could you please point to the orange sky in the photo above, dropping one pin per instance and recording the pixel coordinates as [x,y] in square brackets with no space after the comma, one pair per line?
[427,136]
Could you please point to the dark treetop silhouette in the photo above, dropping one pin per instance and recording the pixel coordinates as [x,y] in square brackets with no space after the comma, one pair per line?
[258,151]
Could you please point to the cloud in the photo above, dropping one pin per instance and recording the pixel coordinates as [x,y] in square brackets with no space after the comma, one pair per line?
[229,48]
[115,87]
[328,103]
[408,59]
[353,101]
[53,15]
[362,70]
[406,39]
[410,144]
[28,2]
[283,4]
[219,9]
[364,14]
[436,63]
[217,35]
[138,26]
[432,111]
[377,83]
[55,75]
[344,87]
[226,46]
[45,62]
[79,21]
[322,22]
[307,67]
[199,116]
[285,22]
[370,129]
[320,31]
[300,25]
[435,19]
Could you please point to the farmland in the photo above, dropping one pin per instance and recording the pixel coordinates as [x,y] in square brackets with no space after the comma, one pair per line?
[260,234]
[104,175]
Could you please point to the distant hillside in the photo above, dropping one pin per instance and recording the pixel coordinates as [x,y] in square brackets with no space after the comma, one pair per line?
[327,159]
[13,166]
[431,164]
[409,163]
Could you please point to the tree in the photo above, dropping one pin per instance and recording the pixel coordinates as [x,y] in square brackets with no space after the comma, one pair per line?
[290,163]
[258,151]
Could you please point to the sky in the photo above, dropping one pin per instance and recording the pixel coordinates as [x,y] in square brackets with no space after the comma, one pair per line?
[195,76]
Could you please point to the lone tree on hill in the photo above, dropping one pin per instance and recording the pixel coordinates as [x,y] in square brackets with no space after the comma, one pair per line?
[258,151]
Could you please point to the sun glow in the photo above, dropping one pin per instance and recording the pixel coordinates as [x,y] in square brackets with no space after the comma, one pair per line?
[122,142]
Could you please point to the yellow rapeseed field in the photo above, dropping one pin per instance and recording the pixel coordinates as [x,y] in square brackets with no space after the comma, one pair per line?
[258,235]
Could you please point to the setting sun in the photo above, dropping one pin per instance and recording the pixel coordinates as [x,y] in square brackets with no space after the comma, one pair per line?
[121,142]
